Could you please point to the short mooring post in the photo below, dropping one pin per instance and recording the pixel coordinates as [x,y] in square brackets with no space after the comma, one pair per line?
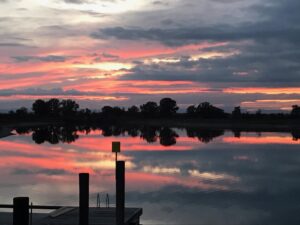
[116,148]
[21,211]
[83,199]
[120,192]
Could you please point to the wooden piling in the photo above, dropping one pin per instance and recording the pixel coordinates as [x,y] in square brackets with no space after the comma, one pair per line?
[21,211]
[83,199]
[120,192]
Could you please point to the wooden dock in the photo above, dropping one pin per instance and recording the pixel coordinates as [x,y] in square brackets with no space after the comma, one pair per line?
[82,215]
[70,216]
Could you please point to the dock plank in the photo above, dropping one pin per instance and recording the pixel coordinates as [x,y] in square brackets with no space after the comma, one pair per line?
[97,216]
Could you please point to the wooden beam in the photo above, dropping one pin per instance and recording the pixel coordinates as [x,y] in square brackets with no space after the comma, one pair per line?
[21,211]
[120,192]
[83,199]
[46,207]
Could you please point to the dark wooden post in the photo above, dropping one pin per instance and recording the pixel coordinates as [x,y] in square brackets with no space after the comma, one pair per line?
[83,199]
[21,211]
[120,192]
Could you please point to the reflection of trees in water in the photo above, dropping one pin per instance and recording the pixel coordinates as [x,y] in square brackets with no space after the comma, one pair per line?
[204,135]
[68,134]
[85,129]
[54,135]
[133,132]
[236,133]
[23,130]
[149,134]
[167,136]
[108,131]
[296,134]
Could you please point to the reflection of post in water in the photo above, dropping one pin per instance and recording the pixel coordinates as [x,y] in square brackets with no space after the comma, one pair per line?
[296,134]
[120,185]
[120,192]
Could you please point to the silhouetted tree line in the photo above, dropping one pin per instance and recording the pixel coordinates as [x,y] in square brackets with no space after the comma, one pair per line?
[166,108]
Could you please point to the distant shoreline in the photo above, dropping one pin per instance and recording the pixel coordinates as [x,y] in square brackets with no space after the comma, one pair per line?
[226,124]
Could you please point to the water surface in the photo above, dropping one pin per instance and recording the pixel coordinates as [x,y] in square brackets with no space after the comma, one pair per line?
[177,176]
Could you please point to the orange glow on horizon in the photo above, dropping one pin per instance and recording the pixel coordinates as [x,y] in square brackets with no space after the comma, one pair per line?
[261,140]
[262,90]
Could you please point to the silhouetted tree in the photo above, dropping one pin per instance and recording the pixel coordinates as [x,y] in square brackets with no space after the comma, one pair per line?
[206,110]
[40,108]
[167,107]
[107,110]
[295,113]
[69,108]
[133,110]
[236,113]
[85,114]
[258,113]
[149,109]
[191,110]
[117,111]
[53,106]
[21,112]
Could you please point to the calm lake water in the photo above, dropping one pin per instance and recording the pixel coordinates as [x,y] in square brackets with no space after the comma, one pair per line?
[176,176]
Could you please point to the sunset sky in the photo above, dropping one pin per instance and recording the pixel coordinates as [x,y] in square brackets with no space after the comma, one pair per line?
[126,52]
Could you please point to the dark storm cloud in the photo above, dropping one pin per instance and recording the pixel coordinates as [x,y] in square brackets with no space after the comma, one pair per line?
[49,58]
[278,21]
[267,49]
[258,63]
[182,36]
